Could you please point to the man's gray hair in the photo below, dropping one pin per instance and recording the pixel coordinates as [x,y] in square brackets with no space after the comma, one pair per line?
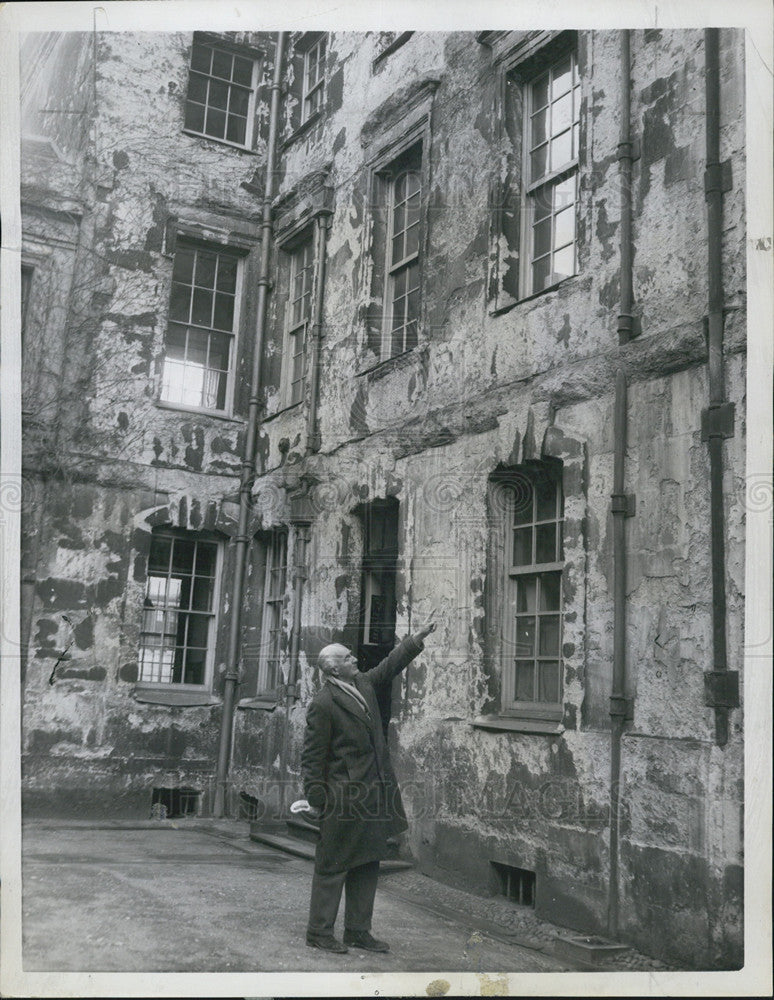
[328,657]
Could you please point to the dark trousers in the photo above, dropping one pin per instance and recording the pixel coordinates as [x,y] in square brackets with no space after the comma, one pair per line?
[360,885]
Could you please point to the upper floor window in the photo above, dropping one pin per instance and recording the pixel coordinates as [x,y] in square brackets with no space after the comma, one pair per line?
[199,348]
[314,78]
[221,90]
[529,504]
[552,115]
[402,189]
[179,616]
[299,311]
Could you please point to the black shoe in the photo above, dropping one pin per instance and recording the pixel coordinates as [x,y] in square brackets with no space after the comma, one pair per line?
[326,943]
[364,939]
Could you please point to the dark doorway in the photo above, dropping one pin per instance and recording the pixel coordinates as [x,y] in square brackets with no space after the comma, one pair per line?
[376,629]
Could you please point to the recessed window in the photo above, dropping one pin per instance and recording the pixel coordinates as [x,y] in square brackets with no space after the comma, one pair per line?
[221,88]
[530,507]
[552,116]
[179,613]
[516,884]
[198,354]
[314,79]
[299,312]
[402,191]
[275,584]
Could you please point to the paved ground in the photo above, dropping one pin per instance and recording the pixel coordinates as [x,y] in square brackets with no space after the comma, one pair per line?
[195,896]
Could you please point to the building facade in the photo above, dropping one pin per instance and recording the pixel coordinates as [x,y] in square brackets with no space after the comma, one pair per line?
[501,373]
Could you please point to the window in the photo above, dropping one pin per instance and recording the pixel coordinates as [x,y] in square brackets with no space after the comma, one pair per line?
[314,78]
[200,336]
[221,87]
[273,605]
[299,311]
[178,627]
[552,112]
[529,500]
[403,192]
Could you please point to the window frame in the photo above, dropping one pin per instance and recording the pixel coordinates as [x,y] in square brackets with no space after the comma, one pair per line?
[168,532]
[505,485]
[410,160]
[272,604]
[551,180]
[303,244]
[234,52]
[307,112]
[238,255]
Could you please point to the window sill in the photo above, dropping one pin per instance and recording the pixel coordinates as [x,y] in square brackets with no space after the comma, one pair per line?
[302,129]
[540,727]
[384,367]
[199,411]
[265,703]
[174,697]
[283,409]
[221,142]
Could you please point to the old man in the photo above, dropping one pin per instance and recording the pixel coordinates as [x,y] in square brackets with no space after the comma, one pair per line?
[348,777]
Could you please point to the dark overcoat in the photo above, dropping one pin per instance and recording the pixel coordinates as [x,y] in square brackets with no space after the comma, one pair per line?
[347,772]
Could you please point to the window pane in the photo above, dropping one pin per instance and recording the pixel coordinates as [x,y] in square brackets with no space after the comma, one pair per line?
[545,543]
[545,492]
[218,95]
[412,240]
[525,594]
[539,161]
[221,64]
[411,337]
[539,127]
[549,635]
[397,248]
[550,588]
[525,636]
[159,554]
[562,77]
[243,71]
[549,681]
[227,273]
[175,343]
[206,263]
[540,93]
[522,547]
[216,123]
[561,114]
[564,263]
[197,88]
[524,687]
[236,130]
[224,312]
[564,194]
[183,556]
[206,556]
[541,238]
[194,666]
[565,227]
[182,269]
[561,150]
[198,343]
[200,58]
[220,347]
[179,302]
[201,314]
[198,630]
[522,500]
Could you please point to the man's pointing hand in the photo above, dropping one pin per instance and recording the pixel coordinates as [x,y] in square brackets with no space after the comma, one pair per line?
[427,628]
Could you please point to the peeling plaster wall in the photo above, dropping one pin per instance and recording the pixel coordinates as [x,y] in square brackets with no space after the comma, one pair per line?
[485,387]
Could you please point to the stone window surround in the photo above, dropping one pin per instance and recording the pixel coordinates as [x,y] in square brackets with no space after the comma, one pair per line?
[572,453]
[303,42]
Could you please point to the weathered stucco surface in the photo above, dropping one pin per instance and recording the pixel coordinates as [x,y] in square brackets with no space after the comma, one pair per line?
[485,387]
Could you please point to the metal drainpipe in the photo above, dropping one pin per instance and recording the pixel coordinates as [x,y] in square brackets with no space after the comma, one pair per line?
[312,430]
[622,504]
[721,684]
[242,539]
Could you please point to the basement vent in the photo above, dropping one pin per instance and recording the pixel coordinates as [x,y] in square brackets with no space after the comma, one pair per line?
[516,884]
[175,803]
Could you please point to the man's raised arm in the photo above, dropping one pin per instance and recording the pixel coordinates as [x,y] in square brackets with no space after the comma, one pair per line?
[400,657]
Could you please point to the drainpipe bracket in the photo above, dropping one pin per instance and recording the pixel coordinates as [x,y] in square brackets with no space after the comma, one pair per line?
[718,177]
[721,688]
[622,708]
[623,504]
[629,150]
[717,421]
[629,327]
